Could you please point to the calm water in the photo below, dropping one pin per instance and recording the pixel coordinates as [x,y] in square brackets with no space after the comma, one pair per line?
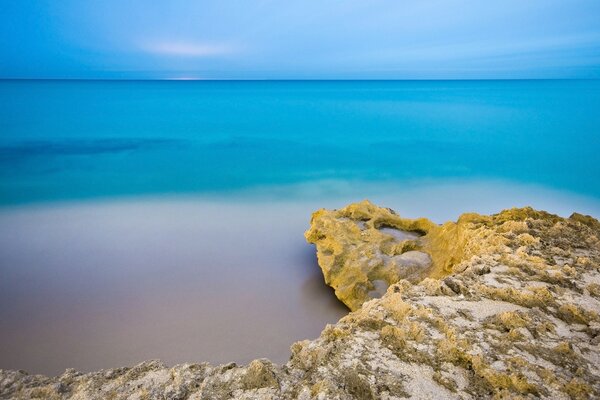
[144,220]
[74,140]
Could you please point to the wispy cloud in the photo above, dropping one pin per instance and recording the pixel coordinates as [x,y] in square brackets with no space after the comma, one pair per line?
[187,49]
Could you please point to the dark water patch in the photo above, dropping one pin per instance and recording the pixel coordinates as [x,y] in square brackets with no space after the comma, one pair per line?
[81,147]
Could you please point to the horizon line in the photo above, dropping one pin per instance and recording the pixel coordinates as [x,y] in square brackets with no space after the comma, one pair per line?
[296,79]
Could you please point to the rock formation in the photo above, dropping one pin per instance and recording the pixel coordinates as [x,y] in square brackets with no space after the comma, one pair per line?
[501,306]
[363,248]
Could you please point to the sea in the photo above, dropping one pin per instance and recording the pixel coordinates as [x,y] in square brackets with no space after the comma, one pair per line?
[164,219]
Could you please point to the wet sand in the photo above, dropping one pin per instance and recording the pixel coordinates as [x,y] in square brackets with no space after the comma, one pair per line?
[187,279]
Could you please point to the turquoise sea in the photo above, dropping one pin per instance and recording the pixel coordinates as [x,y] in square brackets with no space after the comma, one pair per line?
[164,219]
[69,140]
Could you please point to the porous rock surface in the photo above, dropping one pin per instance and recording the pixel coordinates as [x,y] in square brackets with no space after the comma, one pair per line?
[362,248]
[501,306]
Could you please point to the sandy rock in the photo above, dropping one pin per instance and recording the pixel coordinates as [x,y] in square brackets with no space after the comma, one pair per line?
[357,246]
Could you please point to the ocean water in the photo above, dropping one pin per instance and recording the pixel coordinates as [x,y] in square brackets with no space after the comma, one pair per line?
[69,140]
[143,220]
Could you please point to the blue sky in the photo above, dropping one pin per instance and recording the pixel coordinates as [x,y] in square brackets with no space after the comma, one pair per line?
[299,39]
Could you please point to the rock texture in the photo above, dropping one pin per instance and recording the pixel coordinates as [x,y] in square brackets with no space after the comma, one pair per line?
[501,306]
[362,248]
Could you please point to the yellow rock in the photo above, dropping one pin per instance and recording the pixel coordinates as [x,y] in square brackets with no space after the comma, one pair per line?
[362,249]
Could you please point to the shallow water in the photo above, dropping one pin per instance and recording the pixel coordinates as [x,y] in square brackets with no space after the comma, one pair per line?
[190,279]
[143,220]
[102,285]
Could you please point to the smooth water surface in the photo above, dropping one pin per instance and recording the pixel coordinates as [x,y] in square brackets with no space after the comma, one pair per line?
[143,220]
[85,139]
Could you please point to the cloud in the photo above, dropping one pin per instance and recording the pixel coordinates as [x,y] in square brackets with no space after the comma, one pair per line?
[187,49]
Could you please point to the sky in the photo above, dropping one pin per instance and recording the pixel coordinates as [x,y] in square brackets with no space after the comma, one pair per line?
[299,39]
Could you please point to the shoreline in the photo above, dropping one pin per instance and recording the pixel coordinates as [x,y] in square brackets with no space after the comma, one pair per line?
[159,260]
[461,195]
[519,309]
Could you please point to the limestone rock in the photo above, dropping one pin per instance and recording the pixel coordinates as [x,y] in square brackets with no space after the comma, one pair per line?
[362,244]
[508,308]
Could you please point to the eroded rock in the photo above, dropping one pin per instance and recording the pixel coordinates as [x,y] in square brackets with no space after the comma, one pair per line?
[362,243]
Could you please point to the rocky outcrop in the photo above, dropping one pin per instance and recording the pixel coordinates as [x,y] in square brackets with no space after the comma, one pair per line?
[501,306]
[363,249]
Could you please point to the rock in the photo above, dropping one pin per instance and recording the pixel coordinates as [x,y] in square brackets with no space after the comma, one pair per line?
[355,248]
[508,308]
